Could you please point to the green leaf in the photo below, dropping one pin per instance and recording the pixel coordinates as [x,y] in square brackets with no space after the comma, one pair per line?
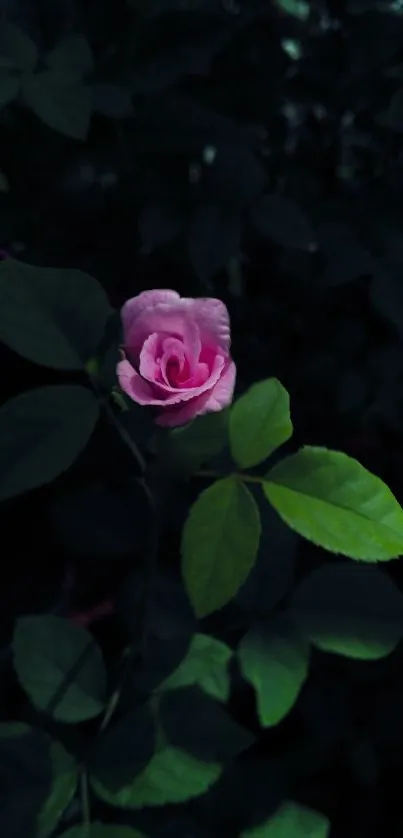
[64,784]
[352,610]
[205,665]
[219,544]
[199,725]
[9,87]
[284,222]
[25,778]
[10,729]
[42,432]
[60,667]
[17,50]
[52,316]
[122,751]
[186,448]
[61,102]
[260,422]
[172,776]
[274,658]
[112,101]
[292,821]
[71,58]
[332,500]
[102,830]
[295,8]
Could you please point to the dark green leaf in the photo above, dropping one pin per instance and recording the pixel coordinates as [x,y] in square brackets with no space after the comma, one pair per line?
[102,830]
[60,667]
[43,432]
[9,87]
[25,779]
[159,223]
[356,611]
[386,292]
[274,658]
[52,316]
[171,623]
[72,57]
[273,574]
[64,784]
[292,821]
[206,665]
[392,116]
[197,724]
[260,422]
[186,448]
[111,100]
[332,500]
[283,221]
[219,544]
[171,776]
[62,103]
[214,238]
[17,50]
[124,749]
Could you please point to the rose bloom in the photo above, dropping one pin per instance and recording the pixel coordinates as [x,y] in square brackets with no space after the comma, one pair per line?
[177,355]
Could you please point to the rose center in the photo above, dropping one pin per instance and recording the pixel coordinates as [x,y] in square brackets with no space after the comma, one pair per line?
[173,369]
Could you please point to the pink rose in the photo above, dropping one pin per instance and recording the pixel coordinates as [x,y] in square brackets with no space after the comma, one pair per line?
[177,355]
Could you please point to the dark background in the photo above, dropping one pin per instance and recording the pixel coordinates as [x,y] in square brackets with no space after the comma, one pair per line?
[313,279]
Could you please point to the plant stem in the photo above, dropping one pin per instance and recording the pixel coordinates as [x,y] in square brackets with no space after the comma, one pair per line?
[247,478]
[85,804]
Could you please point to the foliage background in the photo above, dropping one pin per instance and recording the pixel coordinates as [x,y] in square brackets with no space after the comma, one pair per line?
[302,101]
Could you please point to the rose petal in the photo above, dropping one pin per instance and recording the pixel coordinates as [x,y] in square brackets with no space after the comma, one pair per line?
[157,394]
[174,350]
[148,367]
[167,319]
[182,413]
[222,393]
[134,307]
[212,318]
[212,400]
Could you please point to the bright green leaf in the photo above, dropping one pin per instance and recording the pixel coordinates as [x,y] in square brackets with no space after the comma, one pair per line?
[172,776]
[52,316]
[64,784]
[352,610]
[9,89]
[292,821]
[274,658]
[206,665]
[63,103]
[260,422]
[219,544]
[332,500]
[102,830]
[60,667]
[17,50]
[42,433]
[72,57]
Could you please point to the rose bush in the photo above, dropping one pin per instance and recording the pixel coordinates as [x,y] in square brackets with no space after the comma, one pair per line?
[177,355]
